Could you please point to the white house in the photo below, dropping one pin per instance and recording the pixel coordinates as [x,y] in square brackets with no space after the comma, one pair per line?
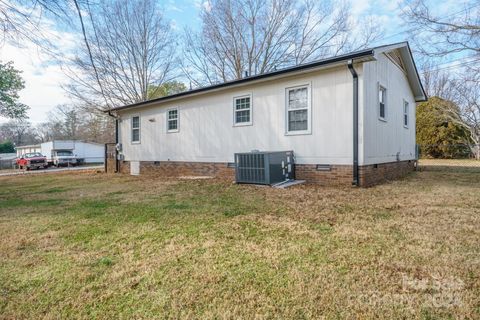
[21,150]
[89,152]
[348,119]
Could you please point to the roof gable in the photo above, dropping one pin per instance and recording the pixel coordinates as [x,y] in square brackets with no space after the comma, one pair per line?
[402,56]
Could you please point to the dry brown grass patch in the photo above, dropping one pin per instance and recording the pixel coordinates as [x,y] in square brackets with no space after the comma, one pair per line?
[107,246]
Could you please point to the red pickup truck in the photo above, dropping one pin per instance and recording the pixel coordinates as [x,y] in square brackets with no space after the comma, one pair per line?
[33,160]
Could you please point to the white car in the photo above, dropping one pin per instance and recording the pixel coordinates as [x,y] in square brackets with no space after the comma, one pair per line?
[63,158]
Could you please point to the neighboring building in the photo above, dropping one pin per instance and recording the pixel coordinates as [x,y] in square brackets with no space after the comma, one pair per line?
[21,150]
[88,152]
[350,118]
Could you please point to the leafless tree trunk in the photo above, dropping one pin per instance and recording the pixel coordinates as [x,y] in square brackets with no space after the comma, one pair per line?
[258,36]
[128,46]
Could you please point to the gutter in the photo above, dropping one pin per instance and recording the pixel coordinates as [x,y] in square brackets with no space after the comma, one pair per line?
[355,180]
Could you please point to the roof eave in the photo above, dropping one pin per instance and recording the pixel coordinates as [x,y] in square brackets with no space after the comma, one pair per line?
[28,146]
[360,56]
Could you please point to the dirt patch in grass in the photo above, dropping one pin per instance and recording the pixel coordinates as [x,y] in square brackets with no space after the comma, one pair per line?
[107,246]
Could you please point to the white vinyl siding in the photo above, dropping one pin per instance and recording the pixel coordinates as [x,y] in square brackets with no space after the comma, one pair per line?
[172,120]
[242,110]
[207,132]
[135,134]
[298,110]
[384,139]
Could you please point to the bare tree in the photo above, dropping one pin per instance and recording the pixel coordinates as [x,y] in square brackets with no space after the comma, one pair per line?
[452,35]
[128,46]
[77,123]
[437,83]
[19,131]
[65,122]
[467,114]
[24,20]
[463,92]
[438,36]
[44,132]
[257,36]
[97,128]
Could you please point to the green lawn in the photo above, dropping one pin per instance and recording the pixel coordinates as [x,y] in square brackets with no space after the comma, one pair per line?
[105,246]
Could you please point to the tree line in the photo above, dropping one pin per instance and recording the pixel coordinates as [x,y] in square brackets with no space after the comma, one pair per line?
[64,122]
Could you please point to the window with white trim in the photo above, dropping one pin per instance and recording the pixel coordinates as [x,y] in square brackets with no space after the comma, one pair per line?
[382,103]
[298,109]
[135,129]
[405,113]
[242,110]
[172,120]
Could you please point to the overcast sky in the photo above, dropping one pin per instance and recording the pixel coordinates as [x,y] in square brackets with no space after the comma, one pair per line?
[44,79]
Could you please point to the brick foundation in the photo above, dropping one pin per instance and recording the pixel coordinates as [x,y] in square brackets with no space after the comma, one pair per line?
[124,167]
[333,175]
[178,169]
[375,174]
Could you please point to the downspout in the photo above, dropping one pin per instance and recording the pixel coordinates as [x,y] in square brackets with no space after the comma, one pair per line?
[117,164]
[355,180]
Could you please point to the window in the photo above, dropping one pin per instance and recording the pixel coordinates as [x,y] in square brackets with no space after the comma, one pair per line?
[172,120]
[242,110]
[64,153]
[136,129]
[405,113]
[382,103]
[298,110]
